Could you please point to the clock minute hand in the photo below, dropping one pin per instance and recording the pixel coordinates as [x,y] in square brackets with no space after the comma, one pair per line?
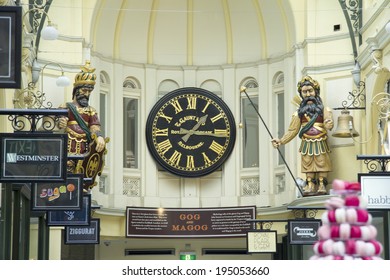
[201,121]
[203,133]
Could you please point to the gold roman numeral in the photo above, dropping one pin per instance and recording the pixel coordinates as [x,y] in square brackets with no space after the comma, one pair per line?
[190,162]
[205,158]
[221,132]
[175,158]
[205,107]
[177,106]
[161,132]
[164,146]
[216,147]
[162,115]
[191,102]
[217,117]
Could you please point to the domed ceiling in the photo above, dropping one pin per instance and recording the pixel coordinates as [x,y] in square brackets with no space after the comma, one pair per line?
[192,32]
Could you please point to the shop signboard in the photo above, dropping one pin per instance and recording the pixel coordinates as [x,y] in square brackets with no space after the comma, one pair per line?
[10,46]
[261,241]
[189,222]
[59,196]
[83,234]
[375,189]
[71,217]
[33,157]
[303,231]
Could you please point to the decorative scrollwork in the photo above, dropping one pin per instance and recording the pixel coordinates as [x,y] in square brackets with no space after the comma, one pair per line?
[382,103]
[34,120]
[376,163]
[30,98]
[311,213]
[356,99]
[37,12]
[266,225]
[353,7]
[298,213]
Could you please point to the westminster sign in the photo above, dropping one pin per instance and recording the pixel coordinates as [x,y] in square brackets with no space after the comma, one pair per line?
[33,157]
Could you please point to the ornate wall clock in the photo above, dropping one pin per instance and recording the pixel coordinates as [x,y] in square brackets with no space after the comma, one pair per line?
[190,132]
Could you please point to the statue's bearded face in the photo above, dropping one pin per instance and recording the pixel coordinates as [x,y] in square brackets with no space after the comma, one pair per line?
[82,96]
[311,103]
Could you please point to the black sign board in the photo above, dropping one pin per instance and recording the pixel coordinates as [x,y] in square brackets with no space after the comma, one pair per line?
[83,234]
[71,217]
[189,222]
[59,196]
[303,232]
[33,158]
[10,46]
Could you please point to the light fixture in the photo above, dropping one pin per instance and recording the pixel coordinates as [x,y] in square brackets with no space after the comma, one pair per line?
[49,32]
[62,81]
[30,97]
[356,74]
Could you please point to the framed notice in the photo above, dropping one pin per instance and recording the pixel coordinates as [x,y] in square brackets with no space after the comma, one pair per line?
[261,241]
[189,222]
[83,234]
[71,217]
[303,231]
[10,46]
[33,157]
[59,196]
[375,188]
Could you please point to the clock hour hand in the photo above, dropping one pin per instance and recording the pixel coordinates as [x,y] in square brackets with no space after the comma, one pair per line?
[201,121]
[203,133]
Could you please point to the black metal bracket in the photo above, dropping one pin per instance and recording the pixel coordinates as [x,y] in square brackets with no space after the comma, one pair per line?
[34,120]
[375,163]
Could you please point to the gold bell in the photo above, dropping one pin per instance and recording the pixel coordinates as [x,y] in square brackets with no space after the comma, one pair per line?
[345,128]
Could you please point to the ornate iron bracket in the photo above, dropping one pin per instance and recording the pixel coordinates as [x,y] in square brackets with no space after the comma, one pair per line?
[37,17]
[375,163]
[34,120]
[356,99]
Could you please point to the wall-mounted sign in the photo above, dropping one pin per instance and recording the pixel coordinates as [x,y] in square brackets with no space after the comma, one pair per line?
[189,222]
[83,234]
[71,217]
[375,188]
[33,158]
[261,241]
[10,46]
[303,232]
[59,196]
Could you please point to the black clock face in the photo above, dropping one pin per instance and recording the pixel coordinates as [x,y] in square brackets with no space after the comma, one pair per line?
[190,132]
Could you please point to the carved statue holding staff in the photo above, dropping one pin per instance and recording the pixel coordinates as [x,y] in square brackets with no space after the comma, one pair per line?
[311,122]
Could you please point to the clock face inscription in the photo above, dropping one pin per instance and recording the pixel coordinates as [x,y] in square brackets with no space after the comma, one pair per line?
[190,132]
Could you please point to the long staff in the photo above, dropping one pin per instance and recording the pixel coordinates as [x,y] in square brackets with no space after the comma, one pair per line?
[243,89]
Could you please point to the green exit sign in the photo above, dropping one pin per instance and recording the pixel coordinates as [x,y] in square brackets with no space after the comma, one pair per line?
[187,256]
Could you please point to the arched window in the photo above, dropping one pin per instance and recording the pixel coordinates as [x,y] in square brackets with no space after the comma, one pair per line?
[167,86]
[250,125]
[131,94]
[279,117]
[103,100]
[103,112]
[213,86]
[278,90]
